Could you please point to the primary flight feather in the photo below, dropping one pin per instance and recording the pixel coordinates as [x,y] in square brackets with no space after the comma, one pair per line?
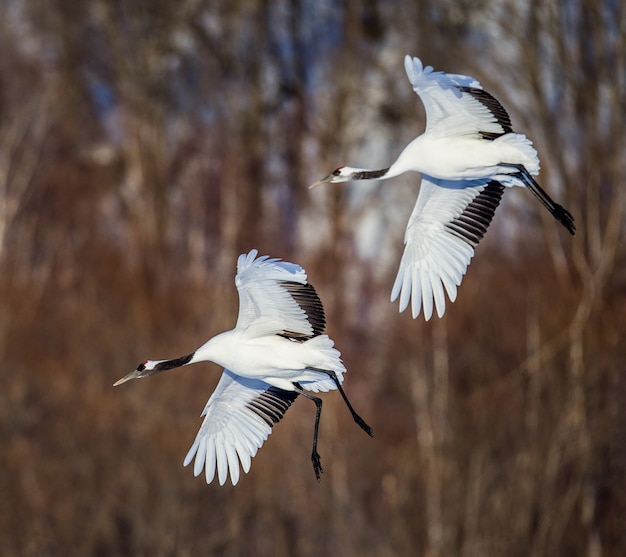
[467,155]
[276,352]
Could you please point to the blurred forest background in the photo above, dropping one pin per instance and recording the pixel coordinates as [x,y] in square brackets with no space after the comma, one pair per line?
[145,144]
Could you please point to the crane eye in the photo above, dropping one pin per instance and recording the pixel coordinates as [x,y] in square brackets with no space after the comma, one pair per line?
[142,366]
[338,171]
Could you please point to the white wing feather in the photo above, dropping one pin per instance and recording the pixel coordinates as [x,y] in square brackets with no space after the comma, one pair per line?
[450,111]
[435,255]
[265,307]
[231,432]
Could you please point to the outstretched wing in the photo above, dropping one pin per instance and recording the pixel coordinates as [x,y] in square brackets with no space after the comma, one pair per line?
[238,418]
[456,104]
[448,221]
[275,298]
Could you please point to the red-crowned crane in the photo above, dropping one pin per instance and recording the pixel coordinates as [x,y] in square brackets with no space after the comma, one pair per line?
[467,155]
[276,352]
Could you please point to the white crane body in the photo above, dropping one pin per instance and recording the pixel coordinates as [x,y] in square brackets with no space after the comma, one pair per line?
[274,359]
[465,158]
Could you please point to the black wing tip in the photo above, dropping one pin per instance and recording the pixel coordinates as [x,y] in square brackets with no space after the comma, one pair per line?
[306,297]
[271,404]
[494,106]
[472,224]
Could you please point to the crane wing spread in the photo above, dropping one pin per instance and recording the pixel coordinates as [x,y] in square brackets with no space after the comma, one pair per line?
[275,298]
[448,221]
[456,104]
[238,418]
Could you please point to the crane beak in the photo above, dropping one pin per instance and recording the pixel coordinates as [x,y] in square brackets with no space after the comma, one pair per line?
[132,375]
[322,181]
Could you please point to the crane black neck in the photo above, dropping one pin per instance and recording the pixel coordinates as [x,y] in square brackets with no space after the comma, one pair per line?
[370,174]
[166,365]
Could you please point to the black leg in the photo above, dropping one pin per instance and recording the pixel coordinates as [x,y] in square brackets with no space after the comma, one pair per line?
[360,421]
[315,457]
[558,211]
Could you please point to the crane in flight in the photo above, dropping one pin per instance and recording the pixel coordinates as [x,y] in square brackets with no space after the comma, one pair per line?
[276,352]
[467,155]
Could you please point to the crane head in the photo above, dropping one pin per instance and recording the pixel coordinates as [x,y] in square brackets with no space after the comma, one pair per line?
[152,367]
[143,369]
[341,174]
